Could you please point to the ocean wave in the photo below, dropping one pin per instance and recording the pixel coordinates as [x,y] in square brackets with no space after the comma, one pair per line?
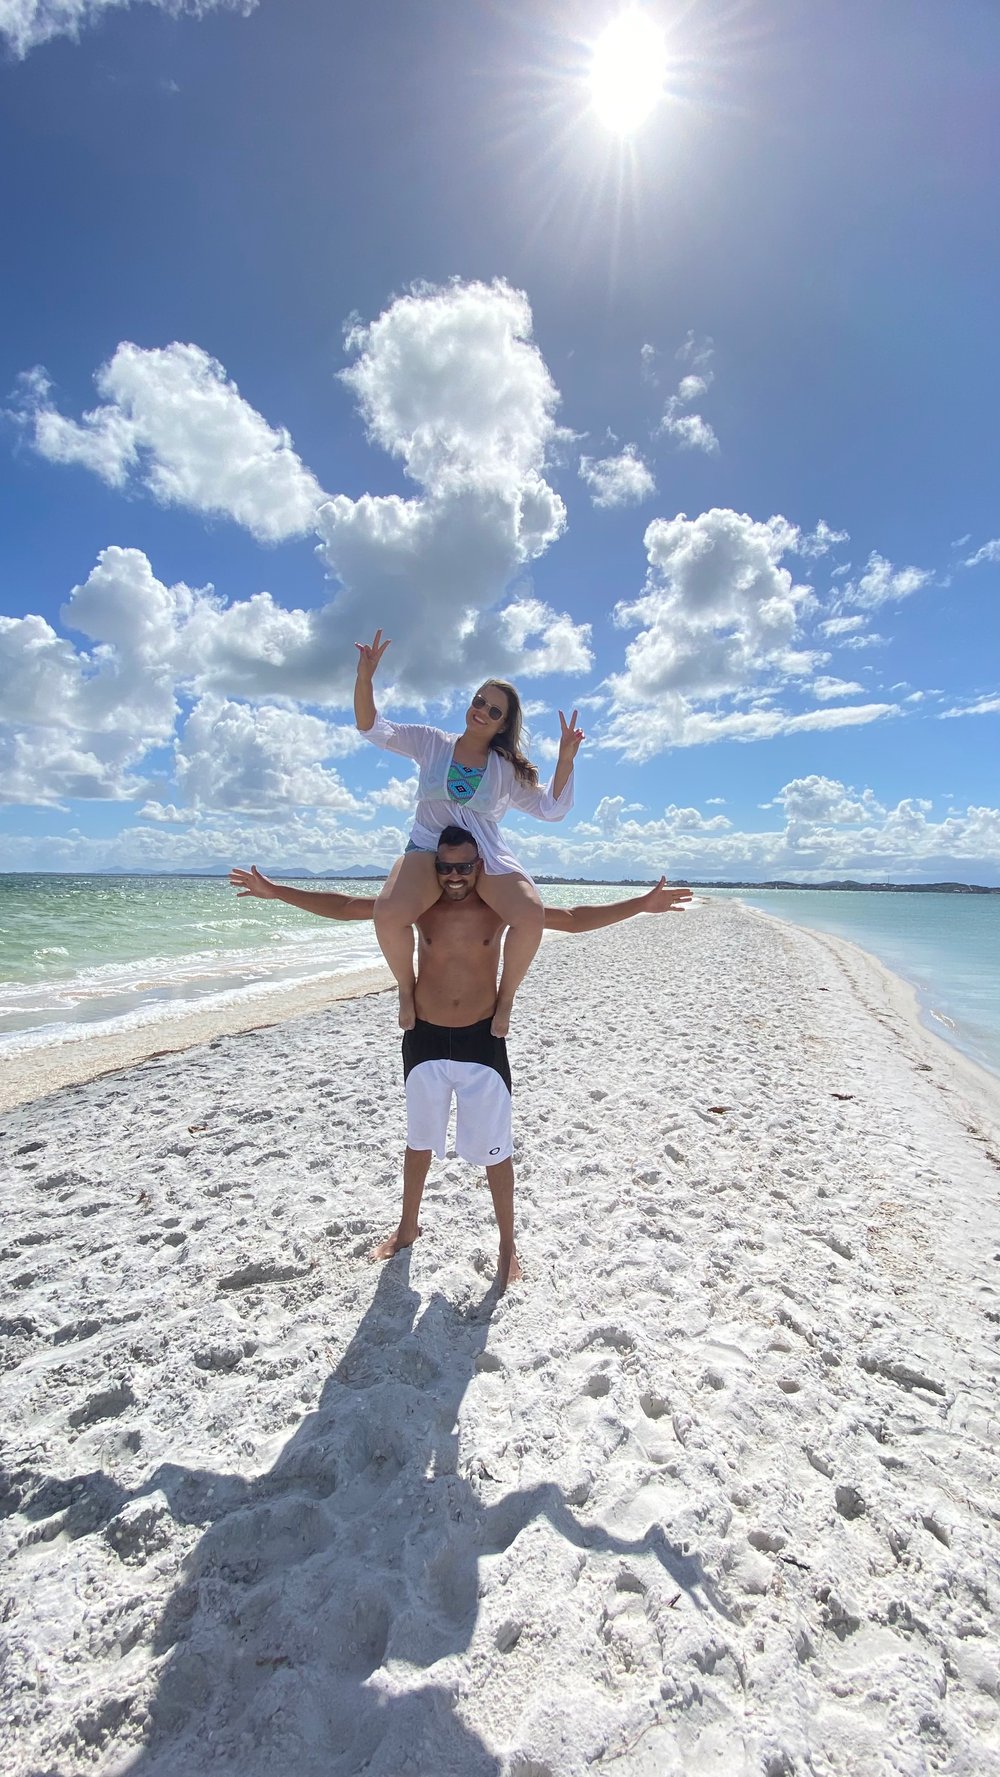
[55,1032]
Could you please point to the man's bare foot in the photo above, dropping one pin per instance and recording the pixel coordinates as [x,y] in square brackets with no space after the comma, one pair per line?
[501,1018]
[387,1249]
[407,1009]
[508,1269]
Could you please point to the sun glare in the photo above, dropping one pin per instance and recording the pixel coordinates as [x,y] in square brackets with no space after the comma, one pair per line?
[627,71]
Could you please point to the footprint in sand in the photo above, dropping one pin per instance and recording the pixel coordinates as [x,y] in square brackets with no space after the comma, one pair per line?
[596,1386]
[108,1403]
[251,1275]
[76,1330]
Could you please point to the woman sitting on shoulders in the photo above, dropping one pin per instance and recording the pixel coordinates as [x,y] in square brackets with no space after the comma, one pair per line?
[473,777]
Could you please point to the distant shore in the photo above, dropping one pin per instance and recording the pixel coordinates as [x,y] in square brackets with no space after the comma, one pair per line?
[353,874]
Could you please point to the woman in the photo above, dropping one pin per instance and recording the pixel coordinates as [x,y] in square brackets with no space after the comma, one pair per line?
[473,778]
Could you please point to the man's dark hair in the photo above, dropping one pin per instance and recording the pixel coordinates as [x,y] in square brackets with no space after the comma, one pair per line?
[457,836]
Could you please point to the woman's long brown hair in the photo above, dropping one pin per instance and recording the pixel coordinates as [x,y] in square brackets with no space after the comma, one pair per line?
[508,742]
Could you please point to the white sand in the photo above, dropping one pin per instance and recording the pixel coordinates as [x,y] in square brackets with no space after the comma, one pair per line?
[713,1491]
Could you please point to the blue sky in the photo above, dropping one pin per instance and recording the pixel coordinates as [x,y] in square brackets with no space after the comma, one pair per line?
[321,317]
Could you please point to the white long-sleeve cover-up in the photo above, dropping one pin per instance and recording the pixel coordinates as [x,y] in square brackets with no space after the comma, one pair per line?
[499,789]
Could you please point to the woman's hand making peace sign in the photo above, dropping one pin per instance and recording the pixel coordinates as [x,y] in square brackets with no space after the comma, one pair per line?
[569,746]
[364,701]
[369,657]
[570,738]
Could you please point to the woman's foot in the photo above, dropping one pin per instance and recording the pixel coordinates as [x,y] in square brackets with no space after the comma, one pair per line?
[387,1249]
[407,1009]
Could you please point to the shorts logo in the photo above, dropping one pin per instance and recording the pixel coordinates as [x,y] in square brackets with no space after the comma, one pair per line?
[494,1150]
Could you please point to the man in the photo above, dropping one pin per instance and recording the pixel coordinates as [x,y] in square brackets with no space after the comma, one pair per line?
[450,1049]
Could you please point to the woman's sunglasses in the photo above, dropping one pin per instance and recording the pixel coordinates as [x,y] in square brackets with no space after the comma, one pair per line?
[455,869]
[479,703]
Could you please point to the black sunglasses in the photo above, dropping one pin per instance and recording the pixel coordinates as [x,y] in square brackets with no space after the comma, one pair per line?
[455,869]
[479,703]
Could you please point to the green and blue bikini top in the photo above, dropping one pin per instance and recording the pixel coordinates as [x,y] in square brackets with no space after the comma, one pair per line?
[464,781]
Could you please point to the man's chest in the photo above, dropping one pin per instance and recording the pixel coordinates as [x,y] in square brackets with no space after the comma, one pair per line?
[452,933]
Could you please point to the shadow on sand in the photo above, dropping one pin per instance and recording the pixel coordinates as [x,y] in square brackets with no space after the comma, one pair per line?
[321,1590]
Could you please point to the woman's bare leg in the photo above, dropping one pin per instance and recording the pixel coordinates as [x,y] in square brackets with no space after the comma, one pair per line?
[518,903]
[411,887]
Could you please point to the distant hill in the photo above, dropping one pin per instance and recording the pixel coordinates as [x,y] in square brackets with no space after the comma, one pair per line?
[284,873]
[365,873]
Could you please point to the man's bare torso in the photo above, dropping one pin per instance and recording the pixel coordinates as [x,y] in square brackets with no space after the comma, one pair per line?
[458,958]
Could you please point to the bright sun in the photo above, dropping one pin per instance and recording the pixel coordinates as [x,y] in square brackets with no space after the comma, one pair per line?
[627,71]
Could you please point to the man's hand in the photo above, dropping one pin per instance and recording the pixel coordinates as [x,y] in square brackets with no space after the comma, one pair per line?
[369,657]
[595,916]
[570,738]
[661,899]
[251,882]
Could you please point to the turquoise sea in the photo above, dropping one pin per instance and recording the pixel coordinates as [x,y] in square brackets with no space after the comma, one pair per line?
[86,955]
[90,955]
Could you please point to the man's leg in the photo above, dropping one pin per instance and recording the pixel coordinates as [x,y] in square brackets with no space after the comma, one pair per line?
[501,1183]
[416,1165]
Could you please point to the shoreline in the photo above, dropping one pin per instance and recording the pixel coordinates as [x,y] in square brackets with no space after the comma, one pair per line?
[920,969]
[895,1001]
[46,1068]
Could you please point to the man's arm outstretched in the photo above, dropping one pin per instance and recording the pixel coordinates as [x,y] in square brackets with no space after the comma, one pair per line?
[659,899]
[326,903]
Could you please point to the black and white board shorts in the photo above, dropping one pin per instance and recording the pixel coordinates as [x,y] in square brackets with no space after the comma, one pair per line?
[471,1064]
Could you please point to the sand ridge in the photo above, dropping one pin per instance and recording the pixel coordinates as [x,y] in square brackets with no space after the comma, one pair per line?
[713,1491]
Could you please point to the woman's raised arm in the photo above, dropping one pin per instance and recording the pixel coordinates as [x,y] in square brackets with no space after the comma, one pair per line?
[364,697]
[569,746]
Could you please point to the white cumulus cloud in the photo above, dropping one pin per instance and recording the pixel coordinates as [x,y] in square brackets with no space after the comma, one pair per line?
[173,419]
[828,830]
[74,723]
[450,381]
[258,759]
[690,430]
[881,583]
[624,480]
[817,798]
[719,620]
[717,606]
[399,792]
